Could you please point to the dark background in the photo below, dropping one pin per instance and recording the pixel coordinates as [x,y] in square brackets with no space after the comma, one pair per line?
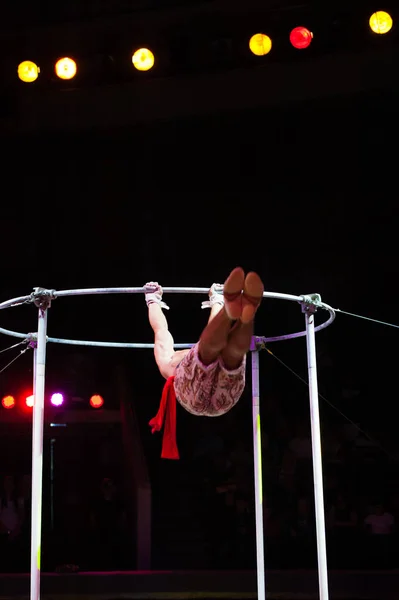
[303,191]
[304,196]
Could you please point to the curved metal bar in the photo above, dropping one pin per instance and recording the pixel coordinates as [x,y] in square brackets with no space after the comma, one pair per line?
[110,344]
[134,290]
[291,336]
[15,302]
[137,290]
[16,334]
[166,290]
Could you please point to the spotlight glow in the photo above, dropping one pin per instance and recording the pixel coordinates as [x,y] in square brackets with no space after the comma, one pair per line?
[300,38]
[29,401]
[28,71]
[96,401]
[57,399]
[8,402]
[143,59]
[260,44]
[65,68]
[380,22]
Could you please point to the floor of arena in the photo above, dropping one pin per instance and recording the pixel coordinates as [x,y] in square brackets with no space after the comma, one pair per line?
[209,585]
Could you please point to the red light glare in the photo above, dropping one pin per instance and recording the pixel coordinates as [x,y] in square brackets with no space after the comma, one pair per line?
[300,37]
[29,400]
[96,401]
[8,402]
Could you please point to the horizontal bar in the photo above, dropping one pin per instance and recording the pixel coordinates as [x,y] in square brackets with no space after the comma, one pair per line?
[127,290]
[15,301]
[109,344]
[291,336]
[30,336]
[166,290]
[138,290]
[134,290]
[16,334]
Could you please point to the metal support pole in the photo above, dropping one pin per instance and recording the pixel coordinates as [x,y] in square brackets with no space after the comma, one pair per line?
[309,310]
[37,451]
[260,558]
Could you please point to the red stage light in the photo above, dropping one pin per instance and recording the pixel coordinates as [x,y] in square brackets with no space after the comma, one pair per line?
[96,401]
[300,37]
[8,402]
[29,400]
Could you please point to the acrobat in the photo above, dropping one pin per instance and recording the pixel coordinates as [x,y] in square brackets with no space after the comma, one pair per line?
[209,378]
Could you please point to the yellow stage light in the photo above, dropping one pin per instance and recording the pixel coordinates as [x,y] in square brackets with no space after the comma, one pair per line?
[260,44]
[380,22]
[143,59]
[28,71]
[65,68]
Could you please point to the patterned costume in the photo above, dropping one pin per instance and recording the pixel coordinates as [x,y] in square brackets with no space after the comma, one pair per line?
[203,390]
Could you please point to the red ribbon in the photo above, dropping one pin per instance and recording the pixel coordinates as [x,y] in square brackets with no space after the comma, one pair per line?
[167,414]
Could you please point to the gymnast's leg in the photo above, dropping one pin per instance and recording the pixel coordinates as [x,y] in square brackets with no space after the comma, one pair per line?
[239,339]
[210,380]
[215,335]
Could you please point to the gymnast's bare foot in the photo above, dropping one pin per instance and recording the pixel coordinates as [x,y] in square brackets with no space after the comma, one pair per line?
[232,292]
[251,297]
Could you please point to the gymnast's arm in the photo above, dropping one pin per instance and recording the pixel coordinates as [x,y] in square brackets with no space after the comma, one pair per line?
[164,351]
